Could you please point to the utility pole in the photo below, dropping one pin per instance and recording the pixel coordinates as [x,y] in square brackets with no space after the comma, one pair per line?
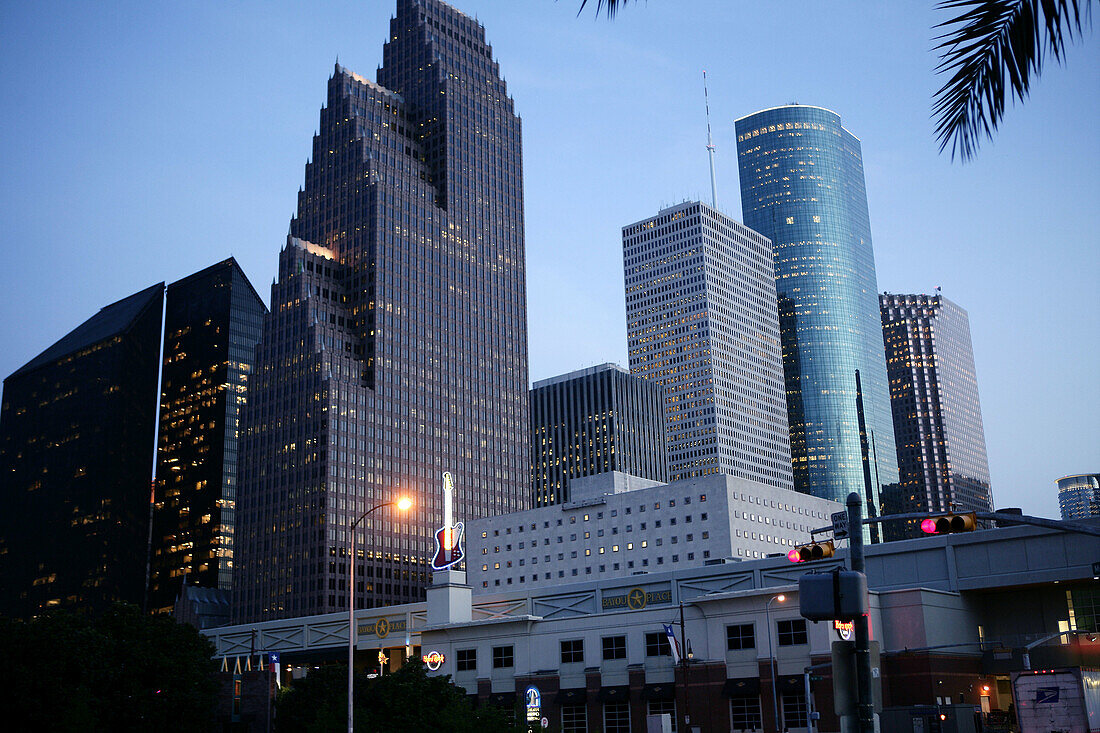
[683,667]
[865,700]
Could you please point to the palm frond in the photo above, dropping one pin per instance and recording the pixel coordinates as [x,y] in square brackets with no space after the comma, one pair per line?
[993,48]
[611,6]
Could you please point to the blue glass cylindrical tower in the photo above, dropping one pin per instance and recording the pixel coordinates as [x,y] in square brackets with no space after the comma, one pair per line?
[802,187]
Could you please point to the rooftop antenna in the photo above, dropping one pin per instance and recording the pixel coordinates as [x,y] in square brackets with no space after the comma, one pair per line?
[710,146]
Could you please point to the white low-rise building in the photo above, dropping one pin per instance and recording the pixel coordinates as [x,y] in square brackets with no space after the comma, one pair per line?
[618,525]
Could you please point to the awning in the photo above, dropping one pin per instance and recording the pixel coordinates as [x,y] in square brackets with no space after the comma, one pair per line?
[742,686]
[790,683]
[619,693]
[659,691]
[502,699]
[578,696]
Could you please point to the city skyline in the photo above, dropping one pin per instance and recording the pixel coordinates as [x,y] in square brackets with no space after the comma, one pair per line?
[1019,220]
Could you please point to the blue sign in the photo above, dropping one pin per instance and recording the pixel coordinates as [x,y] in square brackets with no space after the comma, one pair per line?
[1046,695]
[533,700]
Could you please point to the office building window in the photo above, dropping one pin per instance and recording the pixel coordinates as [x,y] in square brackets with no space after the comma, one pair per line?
[794,709]
[466,660]
[614,647]
[745,713]
[791,632]
[503,657]
[656,645]
[616,717]
[574,719]
[664,707]
[740,636]
[572,651]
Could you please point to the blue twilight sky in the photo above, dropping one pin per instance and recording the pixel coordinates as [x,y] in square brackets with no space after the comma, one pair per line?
[142,141]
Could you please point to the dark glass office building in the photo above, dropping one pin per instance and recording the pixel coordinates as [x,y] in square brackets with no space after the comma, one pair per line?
[212,322]
[1079,496]
[77,427]
[802,186]
[396,347]
[593,421]
[937,414]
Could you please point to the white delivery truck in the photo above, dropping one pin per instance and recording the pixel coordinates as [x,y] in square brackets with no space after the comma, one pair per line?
[1057,700]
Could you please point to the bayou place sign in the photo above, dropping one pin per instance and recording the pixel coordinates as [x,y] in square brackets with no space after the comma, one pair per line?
[382,627]
[635,599]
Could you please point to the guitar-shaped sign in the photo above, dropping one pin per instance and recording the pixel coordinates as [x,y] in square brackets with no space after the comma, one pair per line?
[448,538]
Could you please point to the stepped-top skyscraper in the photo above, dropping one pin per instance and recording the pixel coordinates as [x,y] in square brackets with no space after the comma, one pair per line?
[937,414]
[802,186]
[701,320]
[396,348]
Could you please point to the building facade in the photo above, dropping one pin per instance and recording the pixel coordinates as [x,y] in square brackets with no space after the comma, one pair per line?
[937,415]
[1079,496]
[701,321]
[951,628]
[616,525]
[592,421]
[396,348]
[802,187]
[77,433]
[211,325]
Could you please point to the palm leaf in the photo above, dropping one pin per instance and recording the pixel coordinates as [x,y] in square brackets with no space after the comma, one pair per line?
[612,6]
[991,48]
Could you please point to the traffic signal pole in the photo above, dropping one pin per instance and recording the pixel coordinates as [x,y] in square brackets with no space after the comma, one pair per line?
[865,700]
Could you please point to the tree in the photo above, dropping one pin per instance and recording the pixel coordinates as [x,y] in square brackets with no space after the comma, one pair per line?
[123,672]
[408,699]
[990,51]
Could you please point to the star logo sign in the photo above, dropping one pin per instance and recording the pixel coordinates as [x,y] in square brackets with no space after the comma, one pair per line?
[635,599]
[382,628]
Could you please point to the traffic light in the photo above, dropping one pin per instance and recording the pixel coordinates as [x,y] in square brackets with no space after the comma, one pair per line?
[811,552]
[948,523]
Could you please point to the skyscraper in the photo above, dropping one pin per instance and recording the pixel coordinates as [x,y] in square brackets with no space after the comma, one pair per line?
[76,462]
[396,348]
[937,414]
[211,325]
[593,421]
[1079,496]
[802,187]
[701,320]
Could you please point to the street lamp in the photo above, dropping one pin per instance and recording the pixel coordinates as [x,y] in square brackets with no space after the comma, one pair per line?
[403,504]
[771,656]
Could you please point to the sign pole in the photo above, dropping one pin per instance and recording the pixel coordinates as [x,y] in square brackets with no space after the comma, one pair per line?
[865,702]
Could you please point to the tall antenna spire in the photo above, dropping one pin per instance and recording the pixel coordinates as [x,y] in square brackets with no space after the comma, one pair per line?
[710,146]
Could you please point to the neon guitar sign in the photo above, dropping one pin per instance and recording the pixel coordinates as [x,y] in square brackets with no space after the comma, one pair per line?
[448,538]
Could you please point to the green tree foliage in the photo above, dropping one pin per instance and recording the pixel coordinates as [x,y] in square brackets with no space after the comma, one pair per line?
[122,672]
[407,700]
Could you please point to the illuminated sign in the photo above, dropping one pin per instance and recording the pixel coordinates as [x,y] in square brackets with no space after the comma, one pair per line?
[846,630]
[636,599]
[448,538]
[382,628]
[433,660]
[533,701]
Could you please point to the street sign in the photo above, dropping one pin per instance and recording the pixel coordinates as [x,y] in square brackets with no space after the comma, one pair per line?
[840,525]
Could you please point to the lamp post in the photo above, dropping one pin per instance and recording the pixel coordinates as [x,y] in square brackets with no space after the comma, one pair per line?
[771,656]
[403,504]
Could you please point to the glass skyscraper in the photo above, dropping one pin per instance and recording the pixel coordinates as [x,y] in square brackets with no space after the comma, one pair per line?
[1079,496]
[593,421]
[211,325]
[76,464]
[802,186]
[937,414]
[396,348]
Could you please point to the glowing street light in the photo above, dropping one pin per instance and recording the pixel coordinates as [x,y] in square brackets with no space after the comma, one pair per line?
[771,657]
[403,504]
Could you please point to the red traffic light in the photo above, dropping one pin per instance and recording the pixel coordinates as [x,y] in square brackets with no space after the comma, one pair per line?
[948,523]
[811,552]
